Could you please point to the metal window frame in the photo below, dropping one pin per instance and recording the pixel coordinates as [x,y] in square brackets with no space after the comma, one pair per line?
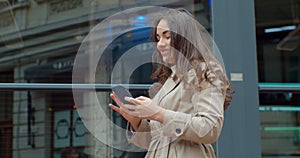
[66,86]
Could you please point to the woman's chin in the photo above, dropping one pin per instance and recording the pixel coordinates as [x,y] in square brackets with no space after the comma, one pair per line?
[168,61]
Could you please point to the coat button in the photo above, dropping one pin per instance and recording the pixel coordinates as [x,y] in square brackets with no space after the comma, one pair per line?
[178,130]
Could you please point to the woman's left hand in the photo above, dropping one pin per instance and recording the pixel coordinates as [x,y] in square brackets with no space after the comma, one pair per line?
[125,112]
[145,108]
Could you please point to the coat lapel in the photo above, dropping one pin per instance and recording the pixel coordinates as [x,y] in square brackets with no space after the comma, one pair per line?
[168,87]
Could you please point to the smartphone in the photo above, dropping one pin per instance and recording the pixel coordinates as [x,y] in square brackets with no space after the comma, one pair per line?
[122,92]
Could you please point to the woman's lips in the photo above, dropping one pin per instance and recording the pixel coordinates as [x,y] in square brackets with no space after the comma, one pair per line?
[164,52]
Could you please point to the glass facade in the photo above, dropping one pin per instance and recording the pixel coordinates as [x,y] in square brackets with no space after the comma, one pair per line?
[278,52]
[39,40]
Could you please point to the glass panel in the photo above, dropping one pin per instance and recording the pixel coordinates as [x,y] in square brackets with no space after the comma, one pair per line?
[280,131]
[278,52]
[39,40]
[278,40]
[280,126]
[6,128]
[6,98]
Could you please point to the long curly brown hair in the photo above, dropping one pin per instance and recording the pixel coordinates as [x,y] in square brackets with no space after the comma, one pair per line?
[196,52]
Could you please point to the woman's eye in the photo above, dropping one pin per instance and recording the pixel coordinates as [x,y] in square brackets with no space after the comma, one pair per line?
[168,37]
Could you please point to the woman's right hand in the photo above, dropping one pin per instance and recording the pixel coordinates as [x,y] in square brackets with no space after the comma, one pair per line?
[133,120]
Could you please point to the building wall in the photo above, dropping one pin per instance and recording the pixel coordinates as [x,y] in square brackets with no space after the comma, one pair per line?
[39,145]
[234,33]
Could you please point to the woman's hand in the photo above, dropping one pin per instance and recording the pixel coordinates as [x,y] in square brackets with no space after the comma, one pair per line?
[145,108]
[125,112]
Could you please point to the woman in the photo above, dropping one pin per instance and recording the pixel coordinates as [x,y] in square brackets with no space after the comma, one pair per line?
[185,116]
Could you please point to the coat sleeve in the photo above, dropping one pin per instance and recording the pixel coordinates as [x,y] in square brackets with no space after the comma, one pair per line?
[141,137]
[204,125]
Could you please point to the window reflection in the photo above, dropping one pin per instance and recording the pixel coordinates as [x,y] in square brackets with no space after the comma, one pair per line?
[278,55]
[38,43]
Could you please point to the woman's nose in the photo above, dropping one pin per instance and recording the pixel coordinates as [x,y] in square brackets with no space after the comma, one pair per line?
[161,43]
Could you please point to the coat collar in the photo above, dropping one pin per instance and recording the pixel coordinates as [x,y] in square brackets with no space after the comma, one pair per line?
[168,86]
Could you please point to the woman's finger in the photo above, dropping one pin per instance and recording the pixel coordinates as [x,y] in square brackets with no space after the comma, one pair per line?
[142,98]
[117,109]
[116,99]
[129,107]
[129,111]
[133,101]
[122,111]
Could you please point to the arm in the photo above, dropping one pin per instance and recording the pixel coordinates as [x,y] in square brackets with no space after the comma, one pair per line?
[204,126]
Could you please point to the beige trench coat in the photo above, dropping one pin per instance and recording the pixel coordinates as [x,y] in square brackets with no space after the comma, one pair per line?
[192,122]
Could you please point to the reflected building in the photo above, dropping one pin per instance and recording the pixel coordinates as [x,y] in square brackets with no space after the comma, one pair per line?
[39,43]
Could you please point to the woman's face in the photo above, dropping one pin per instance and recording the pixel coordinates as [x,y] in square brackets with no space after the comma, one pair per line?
[163,35]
